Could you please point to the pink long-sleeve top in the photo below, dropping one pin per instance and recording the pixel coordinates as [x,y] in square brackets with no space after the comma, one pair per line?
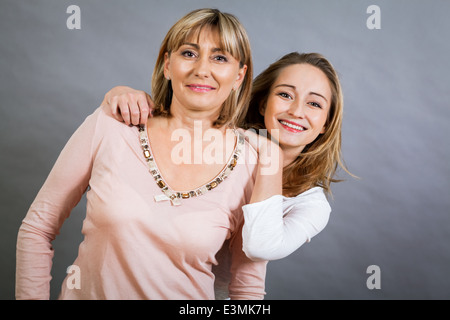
[134,247]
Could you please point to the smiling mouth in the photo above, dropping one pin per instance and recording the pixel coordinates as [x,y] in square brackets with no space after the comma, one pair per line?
[291,126]
[200,88]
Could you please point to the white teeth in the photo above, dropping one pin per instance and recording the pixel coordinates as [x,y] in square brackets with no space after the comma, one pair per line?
[287,124]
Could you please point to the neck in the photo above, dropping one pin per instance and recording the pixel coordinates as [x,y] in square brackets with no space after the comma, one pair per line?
[290,154]
[188,118]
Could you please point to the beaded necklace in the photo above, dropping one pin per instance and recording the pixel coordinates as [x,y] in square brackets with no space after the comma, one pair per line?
[176,196]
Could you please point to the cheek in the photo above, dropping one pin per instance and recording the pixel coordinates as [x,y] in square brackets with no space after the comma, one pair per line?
[226,76]
[269,115]
[274,108]
[178,68]
[178,71]
[318,117]
[319,121]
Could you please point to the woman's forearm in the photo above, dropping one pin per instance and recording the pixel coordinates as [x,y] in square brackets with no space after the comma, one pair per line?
[61,192]
[269,175]
[274,229]
[269,179]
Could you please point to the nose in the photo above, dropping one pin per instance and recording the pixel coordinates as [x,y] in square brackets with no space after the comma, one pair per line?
[297,109]
[202,67]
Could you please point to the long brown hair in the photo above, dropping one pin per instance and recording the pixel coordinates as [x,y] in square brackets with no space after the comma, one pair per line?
[316,165]
[234,39]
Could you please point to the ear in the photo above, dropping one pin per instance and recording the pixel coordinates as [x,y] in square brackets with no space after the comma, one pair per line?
[240,77]
[262,108]
[166,65]
[324,128]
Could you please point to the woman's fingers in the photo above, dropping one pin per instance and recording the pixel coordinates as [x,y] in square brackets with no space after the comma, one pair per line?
[268,148]
[144,110]
[112,106]
[253,138]
[134,108]
[124,109]
[128,105]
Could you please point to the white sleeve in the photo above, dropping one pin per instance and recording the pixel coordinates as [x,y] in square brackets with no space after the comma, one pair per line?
[273,231]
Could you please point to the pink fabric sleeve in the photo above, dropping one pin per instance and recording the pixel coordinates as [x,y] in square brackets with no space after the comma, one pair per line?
[247,276]
[61,192]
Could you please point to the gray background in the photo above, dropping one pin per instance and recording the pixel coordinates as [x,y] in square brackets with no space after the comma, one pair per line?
[395,128]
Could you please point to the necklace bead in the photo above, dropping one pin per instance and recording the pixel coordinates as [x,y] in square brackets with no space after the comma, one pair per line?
[175,196]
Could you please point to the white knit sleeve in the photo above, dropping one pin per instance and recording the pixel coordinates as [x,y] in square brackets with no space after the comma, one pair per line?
[276,227]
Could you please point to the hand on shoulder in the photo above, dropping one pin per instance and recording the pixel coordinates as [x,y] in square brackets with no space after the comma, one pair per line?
[128,105]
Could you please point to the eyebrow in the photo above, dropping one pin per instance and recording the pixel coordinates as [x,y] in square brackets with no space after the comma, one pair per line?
[196,46]
[295,88]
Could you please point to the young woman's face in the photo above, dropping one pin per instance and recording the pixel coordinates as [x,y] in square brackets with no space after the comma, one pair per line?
[202,74]
[298,105]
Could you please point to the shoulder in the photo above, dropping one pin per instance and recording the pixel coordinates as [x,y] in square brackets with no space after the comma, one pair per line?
[313,194]
[106,125]
[246,166]
[103,131]
[107,119]
[247,154]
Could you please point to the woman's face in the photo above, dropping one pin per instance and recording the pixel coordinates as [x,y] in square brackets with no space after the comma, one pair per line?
[298,105]
[202,74]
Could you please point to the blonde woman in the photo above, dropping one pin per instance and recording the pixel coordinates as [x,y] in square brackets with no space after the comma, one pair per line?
[153,227]
[299,98]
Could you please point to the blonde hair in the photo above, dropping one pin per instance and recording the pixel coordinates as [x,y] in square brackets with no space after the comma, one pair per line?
[234,40]
[318,162]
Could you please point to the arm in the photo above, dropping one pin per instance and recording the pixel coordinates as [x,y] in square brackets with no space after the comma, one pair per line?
[269,175]
[247,276]
[273,231]
[60,193]
[128,105]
